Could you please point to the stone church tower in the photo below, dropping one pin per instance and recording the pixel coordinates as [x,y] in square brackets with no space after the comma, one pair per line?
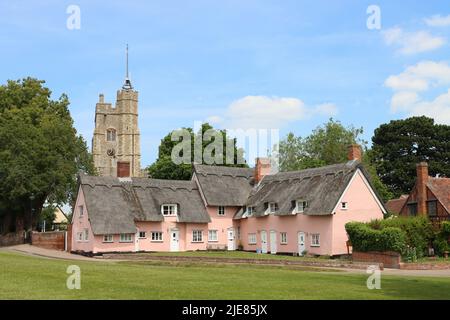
[116,141]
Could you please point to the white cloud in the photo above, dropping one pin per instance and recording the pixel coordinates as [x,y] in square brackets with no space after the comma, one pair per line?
[412,42]
[438,21]
[261,112]
[419,78]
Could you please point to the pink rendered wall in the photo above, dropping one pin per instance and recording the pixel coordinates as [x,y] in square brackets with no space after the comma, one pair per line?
[79,224]
[362,207]
[222,223]
[292,225]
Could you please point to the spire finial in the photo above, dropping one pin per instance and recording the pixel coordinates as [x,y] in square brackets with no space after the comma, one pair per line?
[127,85]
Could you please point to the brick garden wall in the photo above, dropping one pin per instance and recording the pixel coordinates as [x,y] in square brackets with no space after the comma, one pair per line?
[49,240]
[388,259]
[12,239]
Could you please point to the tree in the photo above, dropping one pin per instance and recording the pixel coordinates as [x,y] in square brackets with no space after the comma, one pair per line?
[40,151]
[399,145]
[326,145]
[165,168]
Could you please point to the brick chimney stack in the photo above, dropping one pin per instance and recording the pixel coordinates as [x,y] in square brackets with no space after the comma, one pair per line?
[354,152]
[262,168]
[421,187]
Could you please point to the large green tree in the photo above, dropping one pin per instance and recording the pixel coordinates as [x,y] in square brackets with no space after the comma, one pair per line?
[326,145]
[399,145]
[40,151]
[165,168]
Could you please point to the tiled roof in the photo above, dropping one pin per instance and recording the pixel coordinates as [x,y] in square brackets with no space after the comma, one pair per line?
[441,189]
[396,205]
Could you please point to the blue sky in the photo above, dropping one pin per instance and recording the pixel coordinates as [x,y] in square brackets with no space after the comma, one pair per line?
[284,64]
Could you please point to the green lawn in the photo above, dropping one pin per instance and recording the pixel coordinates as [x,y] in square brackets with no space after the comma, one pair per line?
[25,277]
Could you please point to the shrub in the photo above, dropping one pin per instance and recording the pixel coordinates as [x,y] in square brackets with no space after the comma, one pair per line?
[445,228]
[419,231]
[364,238]
[440,244]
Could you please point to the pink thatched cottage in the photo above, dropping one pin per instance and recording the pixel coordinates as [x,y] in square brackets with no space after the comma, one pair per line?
[226,208]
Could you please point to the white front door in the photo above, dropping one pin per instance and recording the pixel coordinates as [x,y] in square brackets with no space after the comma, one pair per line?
[301,243]
[231,239]
[174,240]
[136,241]
[273,242]
[263,242]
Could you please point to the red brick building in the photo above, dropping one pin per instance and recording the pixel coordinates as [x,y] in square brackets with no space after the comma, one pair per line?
[430,196]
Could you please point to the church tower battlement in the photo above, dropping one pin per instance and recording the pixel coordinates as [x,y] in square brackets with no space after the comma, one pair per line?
[116,140]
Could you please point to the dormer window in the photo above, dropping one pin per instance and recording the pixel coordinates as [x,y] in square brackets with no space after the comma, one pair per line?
[301,205]
[169,210]
[250,211]
[272,207]
[111,135]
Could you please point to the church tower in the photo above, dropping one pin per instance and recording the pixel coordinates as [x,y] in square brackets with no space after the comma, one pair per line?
[116,141]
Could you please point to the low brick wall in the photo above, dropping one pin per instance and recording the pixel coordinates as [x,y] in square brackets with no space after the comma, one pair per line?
[49,240]
[388,259]
[425,266]
[12,239]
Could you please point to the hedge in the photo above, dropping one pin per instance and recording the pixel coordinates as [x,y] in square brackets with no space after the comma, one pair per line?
[365,239]
[419,231]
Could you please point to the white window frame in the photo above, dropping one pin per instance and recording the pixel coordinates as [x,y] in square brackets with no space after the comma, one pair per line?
[86,234]
[221,211]
[169,205]
[145,235]
[122,240]
[197,236]
[315,240]
[108,238]
[80,211]
[111,135]
[79,236]
[344,205]
[283,238]
[304,205]
[269,208]
[157,236]
[252,238]
[250,211]
[213,239]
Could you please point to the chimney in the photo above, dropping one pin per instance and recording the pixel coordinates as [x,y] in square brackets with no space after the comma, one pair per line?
[262,169]
[421,187]
[354,152]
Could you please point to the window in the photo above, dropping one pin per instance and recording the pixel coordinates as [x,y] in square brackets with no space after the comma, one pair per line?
[283,237]
[125,237]
[221,210]
[79,236]
[142,235]
[169,209]
[412,209]
[111,135]
[157,236]
[252,238]
[81,210]
[432,208]
[301,206]
[197,236]
[344,205]
[86,235]
[213,236]
[272,207]
[108,238]
[315,240]
[250,211]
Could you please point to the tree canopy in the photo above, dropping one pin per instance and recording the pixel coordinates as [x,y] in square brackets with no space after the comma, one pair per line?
[399,145]
[40,151]
[165,168]
[326,145]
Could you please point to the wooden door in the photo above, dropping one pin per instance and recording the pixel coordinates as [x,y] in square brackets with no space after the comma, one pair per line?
[123,169]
